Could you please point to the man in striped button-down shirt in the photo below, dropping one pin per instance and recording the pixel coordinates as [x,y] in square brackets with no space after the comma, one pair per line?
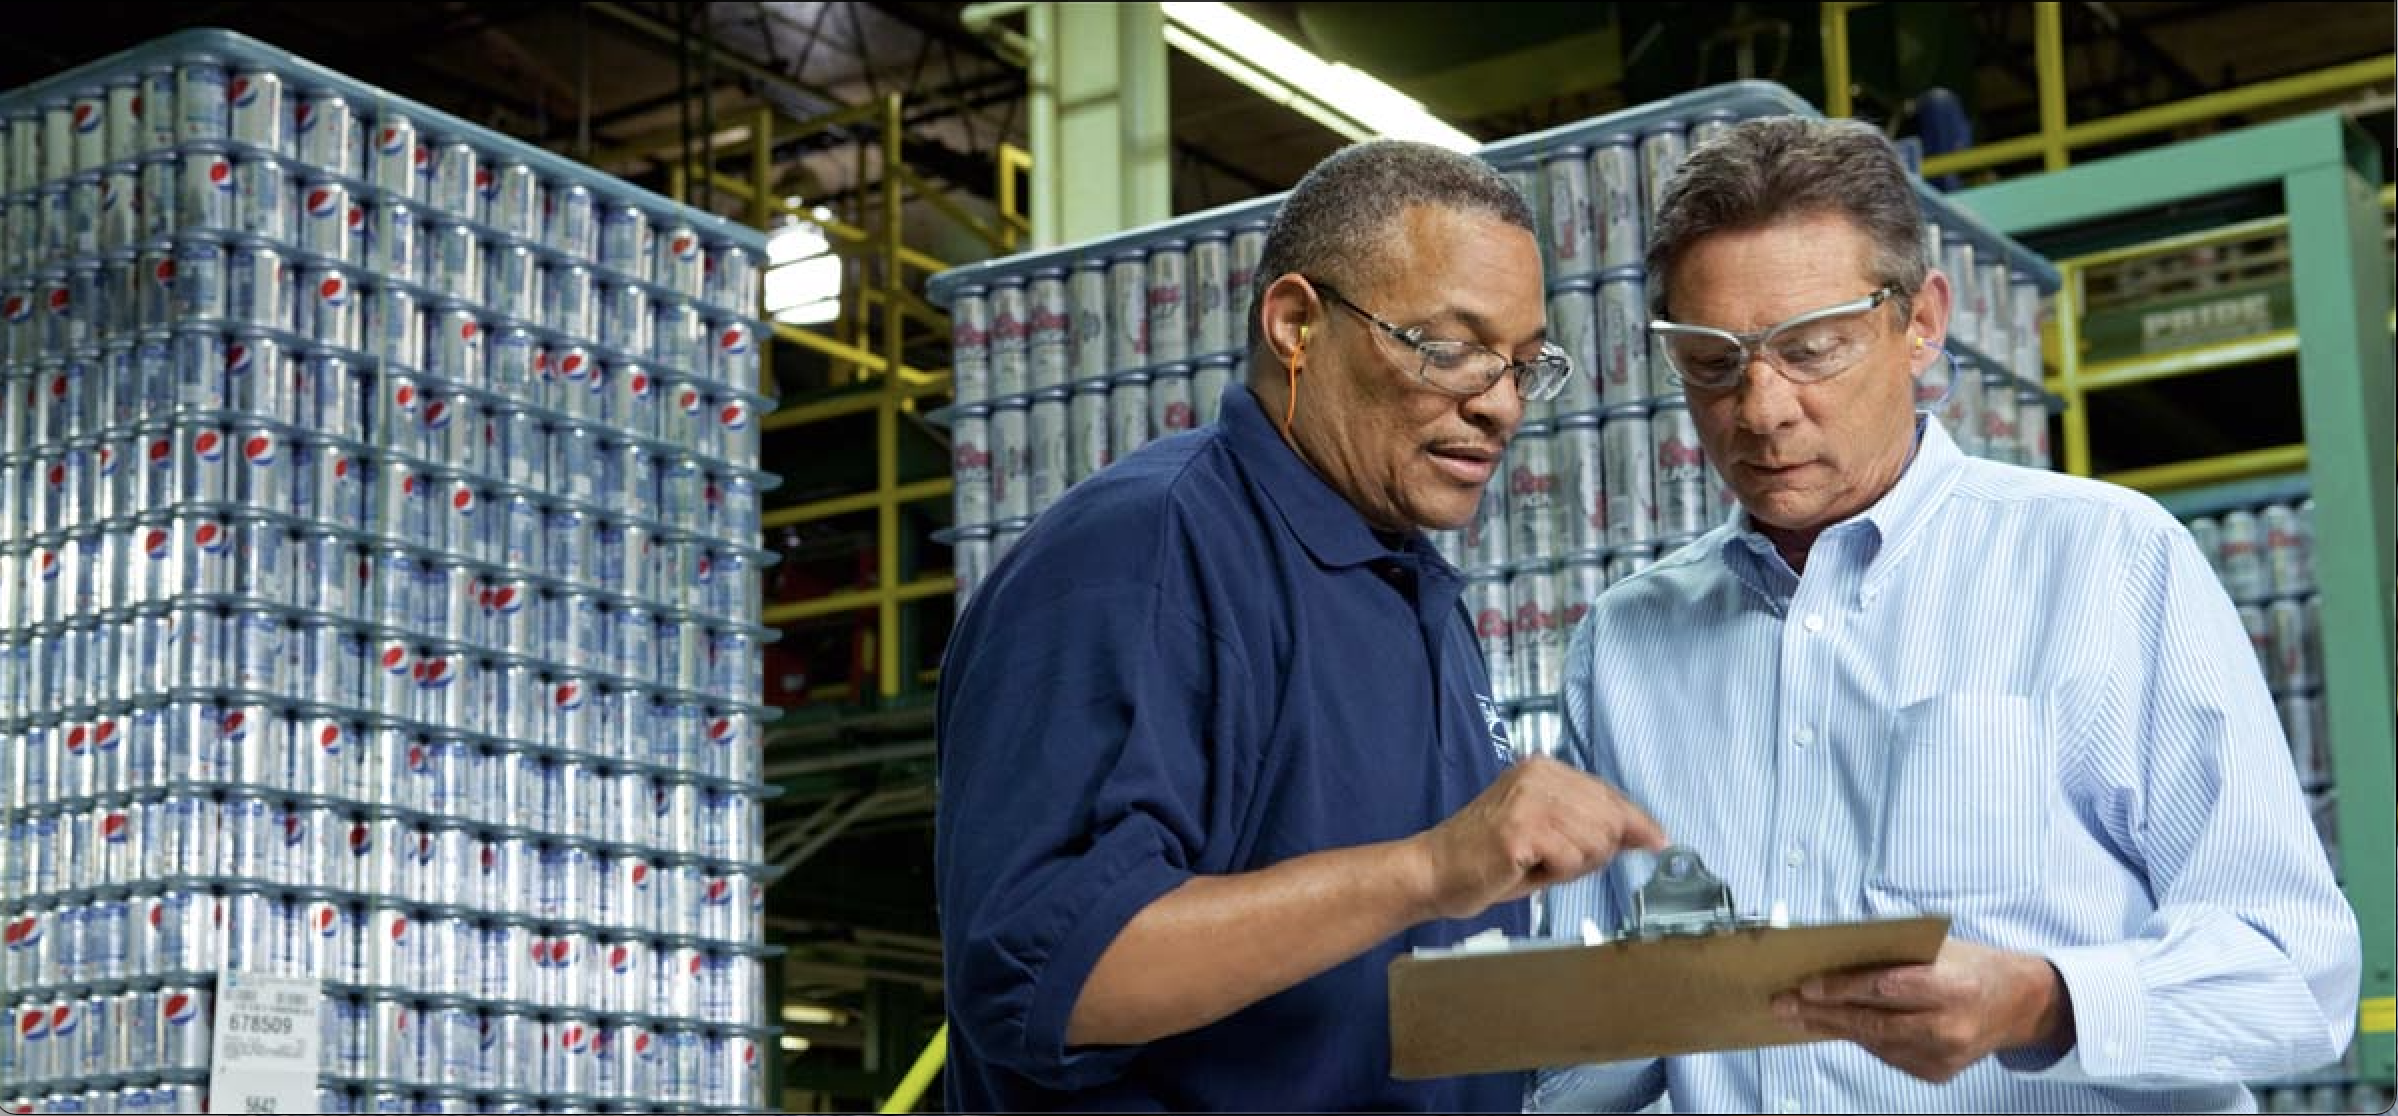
[1910,681]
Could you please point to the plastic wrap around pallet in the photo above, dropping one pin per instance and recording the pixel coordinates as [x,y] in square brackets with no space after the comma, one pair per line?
[379,528]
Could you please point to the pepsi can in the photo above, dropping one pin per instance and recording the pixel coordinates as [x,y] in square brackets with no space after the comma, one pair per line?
[452,190]
[255,107]
[205,198]
[157,198]
[331,488]
[392,1039]
[118,219]
[511,199]
[453,261]
[393,157]
[261,198]
[184,1019]
[625,240]
[330,311]
[454,347]
[445,943]
[566,1056]
[196,280]
[509,615]
[569,301]
[258,287]
[394,242]
[323,130]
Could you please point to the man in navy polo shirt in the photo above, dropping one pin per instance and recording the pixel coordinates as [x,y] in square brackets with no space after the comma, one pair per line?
[1216,740]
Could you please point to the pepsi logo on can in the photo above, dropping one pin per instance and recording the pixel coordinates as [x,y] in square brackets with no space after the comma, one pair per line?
[205,197]
[392,157]
[679,265]
[455,347]
[325,220]
[323,129]
[255,103]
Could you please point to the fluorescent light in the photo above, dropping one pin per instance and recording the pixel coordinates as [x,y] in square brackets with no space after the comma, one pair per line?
[816,1014]
[1343,98]
[803,276]
[795,241]
[795,1044]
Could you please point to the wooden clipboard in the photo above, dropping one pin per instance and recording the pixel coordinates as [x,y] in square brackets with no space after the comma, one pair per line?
[1564,1005]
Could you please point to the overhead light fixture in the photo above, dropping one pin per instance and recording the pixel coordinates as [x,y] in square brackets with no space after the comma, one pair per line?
[803,276]
[815,1014]
[795,1044]
[1343,98]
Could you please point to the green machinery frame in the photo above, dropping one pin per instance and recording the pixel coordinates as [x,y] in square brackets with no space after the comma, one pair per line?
[2329,175]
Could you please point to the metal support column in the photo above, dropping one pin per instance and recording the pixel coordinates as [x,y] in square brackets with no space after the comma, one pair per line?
[1112,153]
[2341,286]
[2329,174]
[2048,55]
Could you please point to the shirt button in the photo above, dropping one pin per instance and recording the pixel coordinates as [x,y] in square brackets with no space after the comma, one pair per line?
[1814,622]
[2114,1049]
[1789,1104]
[1804,736]
[2223,1066]
[1795,857]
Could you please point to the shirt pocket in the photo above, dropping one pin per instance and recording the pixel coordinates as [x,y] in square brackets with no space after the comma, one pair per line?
[1965,798]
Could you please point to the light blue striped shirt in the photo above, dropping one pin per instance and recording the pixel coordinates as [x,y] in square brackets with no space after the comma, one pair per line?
[2014,697]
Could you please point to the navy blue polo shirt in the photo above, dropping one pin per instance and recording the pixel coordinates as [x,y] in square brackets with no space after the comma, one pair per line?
[1201,661]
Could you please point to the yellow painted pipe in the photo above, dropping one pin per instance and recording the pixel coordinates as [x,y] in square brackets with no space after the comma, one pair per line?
[2211,106]
[829,347]
[2048,55]
[2213,470]
[2185,242]
[2182,362]
[920,1076]
[1835,60]
[857,600]
[850,505]
[2232,102]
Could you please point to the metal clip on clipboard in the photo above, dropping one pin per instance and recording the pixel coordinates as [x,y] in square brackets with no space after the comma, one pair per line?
[1683,899]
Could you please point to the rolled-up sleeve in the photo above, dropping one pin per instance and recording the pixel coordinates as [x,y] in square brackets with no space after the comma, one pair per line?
[1084,754]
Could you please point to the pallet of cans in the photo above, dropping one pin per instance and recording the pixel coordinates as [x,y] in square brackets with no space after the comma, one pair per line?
[378,600]
[2264,554]
[2262,548]
[1067,359]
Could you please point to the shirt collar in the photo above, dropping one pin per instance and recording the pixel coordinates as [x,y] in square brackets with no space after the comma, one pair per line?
[1329,527]
[1888,525]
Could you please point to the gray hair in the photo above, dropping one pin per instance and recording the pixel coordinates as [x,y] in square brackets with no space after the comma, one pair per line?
[1774,168]
[1336,222]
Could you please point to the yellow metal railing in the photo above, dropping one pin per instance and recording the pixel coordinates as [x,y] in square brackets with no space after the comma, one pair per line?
[869,344]
[2055,142]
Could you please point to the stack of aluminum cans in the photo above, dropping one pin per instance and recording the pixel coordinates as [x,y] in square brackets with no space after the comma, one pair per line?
[1064,368]
[2265,557]
[1066,360]
[378,600]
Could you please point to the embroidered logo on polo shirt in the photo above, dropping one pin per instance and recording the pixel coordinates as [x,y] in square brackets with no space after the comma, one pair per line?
[1496,723]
